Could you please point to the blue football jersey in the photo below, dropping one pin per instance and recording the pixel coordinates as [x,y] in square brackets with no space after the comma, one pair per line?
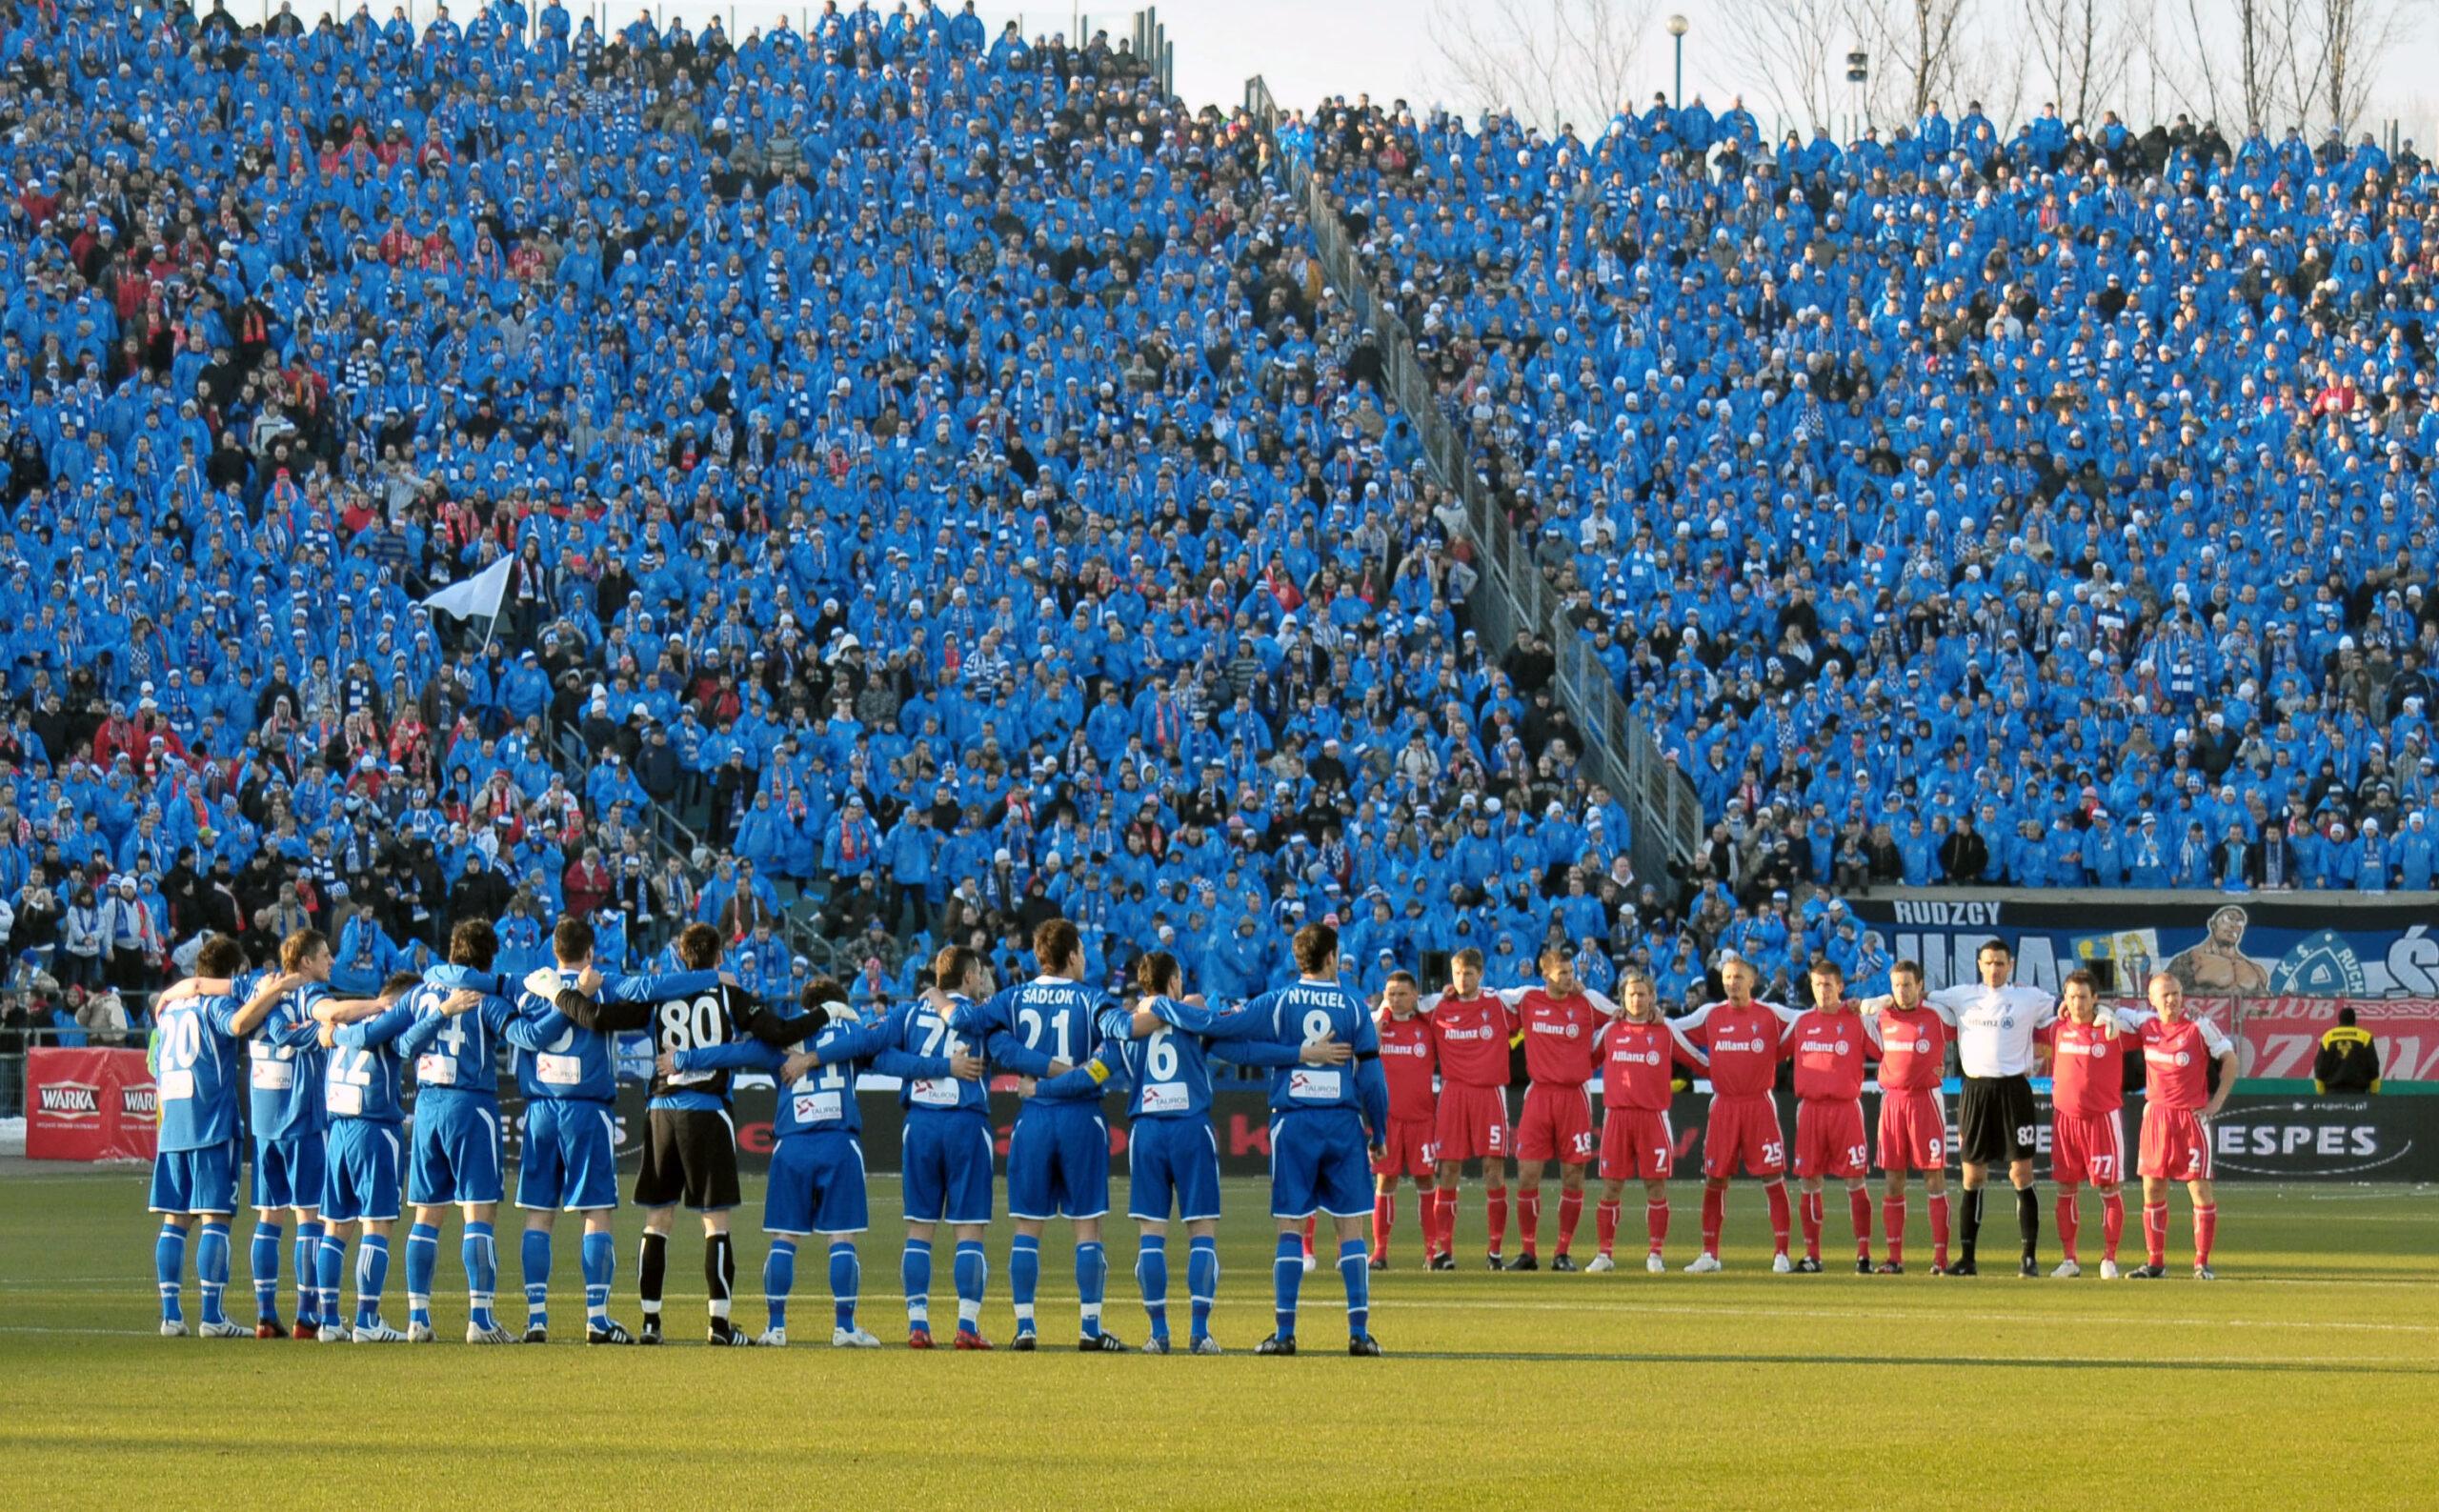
[921,1028]
[285,1065]
[1304,1012]
[560,1059]
[456,1054]
[823,1100]
[362,1078]
[1170,1070]
[1028,1026]
[196,1072]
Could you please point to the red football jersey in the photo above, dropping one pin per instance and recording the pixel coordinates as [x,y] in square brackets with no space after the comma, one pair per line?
[1829,1051]
[1409,1056]
[1637,1064]
[1559,1034]
[1473,1038]
[1745,1044]
[2176,1061]
[1913,1048]
[2087,1068]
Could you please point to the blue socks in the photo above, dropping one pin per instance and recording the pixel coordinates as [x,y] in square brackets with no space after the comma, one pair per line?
[1354,1268]
[599,1256]
[846,1280]
[423,1264]
[1286,1279]
[169,1268]
[778,1280]
[372,1274]
[915,1274]
[1202,1281]
[262,1262]
[1152,1276]
[308,1273]
[211,1266]
[329,1264]
[1091,1280]
[973,1270]
[536,1251]
[481,1251]
[1025,1278]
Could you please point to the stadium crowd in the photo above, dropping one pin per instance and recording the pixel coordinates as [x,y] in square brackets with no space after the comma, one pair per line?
[934,465]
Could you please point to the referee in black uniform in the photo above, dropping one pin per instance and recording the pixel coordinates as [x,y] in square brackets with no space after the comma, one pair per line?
[1995,1024]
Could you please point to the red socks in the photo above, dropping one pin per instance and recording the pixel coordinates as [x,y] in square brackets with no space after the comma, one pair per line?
[1859,1209]
[1892,1227]
[1443,1206]
[1939,1229]
[1570,1214]
[1715,1214]
[1777,1193]
[2112,1223]
[1655,1220]
[1809,1205]
[1498,1206]
[1528,1220]
[1384,1218]
[2155,1231]
[2070,1218]
[1310,1224]
[2205,1231]
[1604,1225]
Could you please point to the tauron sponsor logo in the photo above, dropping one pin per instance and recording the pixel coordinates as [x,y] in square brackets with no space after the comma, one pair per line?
[71,1099]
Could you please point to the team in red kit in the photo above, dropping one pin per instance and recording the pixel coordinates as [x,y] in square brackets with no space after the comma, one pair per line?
[1449,1059]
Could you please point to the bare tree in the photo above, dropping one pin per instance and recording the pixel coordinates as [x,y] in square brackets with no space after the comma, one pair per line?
[1552,62]
[1788,47]
[2081,48]
[2349,38]
[1916,46]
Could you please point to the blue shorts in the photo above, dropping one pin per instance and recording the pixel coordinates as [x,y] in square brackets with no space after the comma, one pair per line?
[287,1173]
[195,1180]
[1169,1157]
[817,1185]
[360,1171]
[945,1168]
[454,1150]
[1318,1158]
[571,1156]
[1058,1161]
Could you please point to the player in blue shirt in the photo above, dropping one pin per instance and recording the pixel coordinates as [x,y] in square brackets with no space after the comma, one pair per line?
[945,1161]
[1172,1155]
[1058,1154]
[196,1072]
[816,1182]
[462,1014]
[1321,1121]
[364,1155]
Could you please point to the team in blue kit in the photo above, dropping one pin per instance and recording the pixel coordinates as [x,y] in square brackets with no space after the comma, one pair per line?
[326,1082]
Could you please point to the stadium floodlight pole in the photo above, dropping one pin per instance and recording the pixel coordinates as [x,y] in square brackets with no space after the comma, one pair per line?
[1678,27]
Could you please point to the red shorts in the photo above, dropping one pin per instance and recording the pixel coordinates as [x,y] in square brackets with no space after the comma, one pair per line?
[1745,1128]
[1412,1151]
[1557,1125]
[2176,1144]
[1829,1138]
[1637,1144]
[1913,1130]
[1473,1122]
[2088,1148]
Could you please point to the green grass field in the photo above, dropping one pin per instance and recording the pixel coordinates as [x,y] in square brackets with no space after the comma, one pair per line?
[2312,1365]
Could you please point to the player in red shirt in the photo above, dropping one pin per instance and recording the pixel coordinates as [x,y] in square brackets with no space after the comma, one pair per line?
[1410,1056]
[1561,1019]
[2178,1106]
[1745,1040]
[1830,1043]
[1913,1116]
[1639,1050]
[1471,1027]
[2087,1118]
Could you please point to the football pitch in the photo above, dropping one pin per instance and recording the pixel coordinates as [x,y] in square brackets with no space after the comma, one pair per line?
[2310,1368]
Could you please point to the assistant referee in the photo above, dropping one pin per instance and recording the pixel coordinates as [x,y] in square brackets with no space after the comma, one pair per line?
[1995,1024]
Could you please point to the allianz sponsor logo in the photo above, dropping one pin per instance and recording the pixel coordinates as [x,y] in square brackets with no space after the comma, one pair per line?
[73,1100]
[1943,914]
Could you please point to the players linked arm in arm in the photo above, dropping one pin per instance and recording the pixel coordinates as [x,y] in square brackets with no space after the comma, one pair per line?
[614,1004]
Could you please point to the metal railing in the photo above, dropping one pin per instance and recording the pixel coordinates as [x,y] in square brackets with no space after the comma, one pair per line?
[1621,750]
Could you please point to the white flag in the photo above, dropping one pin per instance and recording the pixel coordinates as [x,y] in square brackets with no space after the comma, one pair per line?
[478,594]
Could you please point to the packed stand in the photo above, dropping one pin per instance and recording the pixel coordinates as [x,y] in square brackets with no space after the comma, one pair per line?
[2047,508]
[932,466]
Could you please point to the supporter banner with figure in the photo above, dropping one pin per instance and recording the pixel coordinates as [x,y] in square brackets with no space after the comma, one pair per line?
[2272,968]
[87,1104]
